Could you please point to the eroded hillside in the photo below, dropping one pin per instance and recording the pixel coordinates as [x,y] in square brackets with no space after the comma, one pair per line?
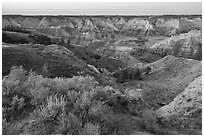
[142,70]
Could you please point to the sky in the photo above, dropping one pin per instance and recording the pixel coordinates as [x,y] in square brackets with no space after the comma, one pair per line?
[102,8]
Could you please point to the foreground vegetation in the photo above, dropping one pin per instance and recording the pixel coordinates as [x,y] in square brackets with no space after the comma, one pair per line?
[33,104]
[36,105]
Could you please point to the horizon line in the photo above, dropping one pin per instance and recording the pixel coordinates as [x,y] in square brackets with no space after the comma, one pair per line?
[15,14]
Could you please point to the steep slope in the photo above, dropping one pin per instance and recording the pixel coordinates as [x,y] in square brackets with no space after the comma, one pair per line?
[167,27]
[186,103]
[172,26]
[186,25]
[119,22]
[169,77]
[184,113]
[138,26]
[30,22]
[88,25]
[9,21]
[187,45]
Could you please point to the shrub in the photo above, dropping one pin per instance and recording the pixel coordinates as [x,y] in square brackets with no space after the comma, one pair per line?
[15,101]
[36,87]
[10,129]
[45,117]
[33,104]
[92,129]
[69,124]
[22,88]
[185,124]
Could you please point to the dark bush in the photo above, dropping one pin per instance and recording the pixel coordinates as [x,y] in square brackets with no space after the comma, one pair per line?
[127,74]
[15,29]
[13,40]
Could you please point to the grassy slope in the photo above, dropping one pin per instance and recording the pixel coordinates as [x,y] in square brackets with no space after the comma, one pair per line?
[26,57]
[21,38]
[170,77]
[95,59]
[61,62]
[35,57]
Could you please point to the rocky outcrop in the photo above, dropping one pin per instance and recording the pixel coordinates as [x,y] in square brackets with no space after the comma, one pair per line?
[44,23]
[105,24]
[134,26]
[29,22]
[88,26]
[9,22]
[187,45]
[167,27]
[186,25]
[138,26]
[171,26]
[119,22]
